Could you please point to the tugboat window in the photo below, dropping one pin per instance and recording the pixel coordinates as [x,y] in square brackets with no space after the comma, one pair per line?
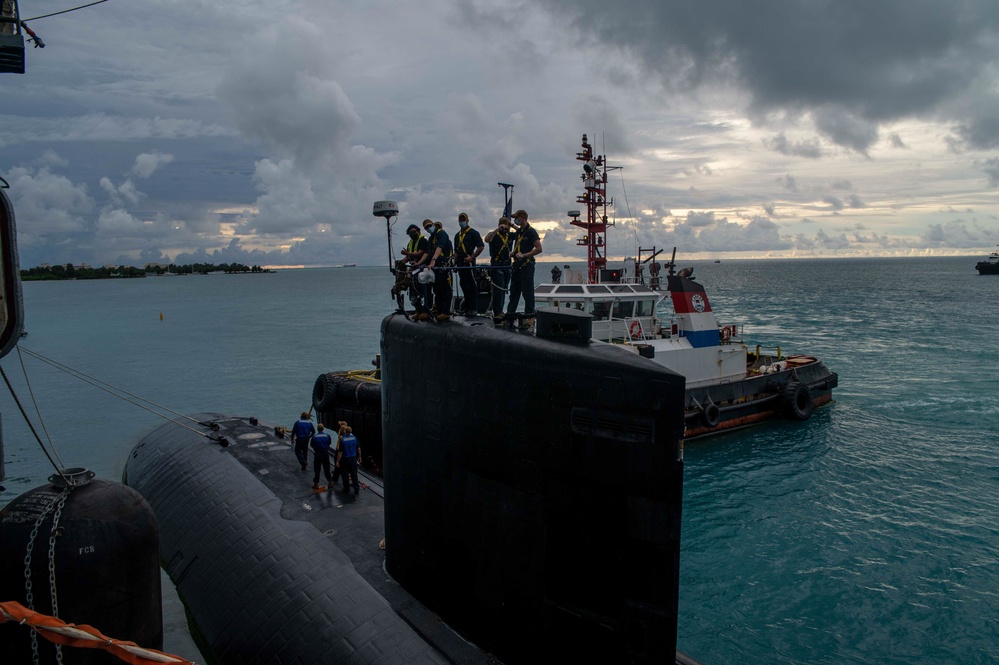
[624,310]
[600,311]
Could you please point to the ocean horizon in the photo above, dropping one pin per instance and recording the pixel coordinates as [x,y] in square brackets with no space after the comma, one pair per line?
[866,534]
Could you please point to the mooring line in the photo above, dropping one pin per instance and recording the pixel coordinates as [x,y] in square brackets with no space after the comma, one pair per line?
[115,391]
[38,412]
[27,420]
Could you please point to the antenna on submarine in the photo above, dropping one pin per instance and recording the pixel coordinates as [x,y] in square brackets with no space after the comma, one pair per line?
[388,210]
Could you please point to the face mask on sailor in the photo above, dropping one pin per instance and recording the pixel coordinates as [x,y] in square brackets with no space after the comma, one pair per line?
[519,221]
[462,223]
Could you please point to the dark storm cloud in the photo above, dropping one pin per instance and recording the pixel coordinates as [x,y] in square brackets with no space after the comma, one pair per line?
[850,64]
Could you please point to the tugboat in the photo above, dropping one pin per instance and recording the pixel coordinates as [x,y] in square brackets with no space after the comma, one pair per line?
[990,266]
[665,318]
[670,321]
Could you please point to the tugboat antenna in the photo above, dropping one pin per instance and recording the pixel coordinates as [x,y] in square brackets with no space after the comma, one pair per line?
[595,199]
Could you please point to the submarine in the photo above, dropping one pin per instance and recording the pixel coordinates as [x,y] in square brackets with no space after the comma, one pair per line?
[527,513]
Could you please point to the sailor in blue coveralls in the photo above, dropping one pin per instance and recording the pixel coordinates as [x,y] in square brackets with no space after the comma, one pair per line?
[321,443]
[350,450]
[302,432]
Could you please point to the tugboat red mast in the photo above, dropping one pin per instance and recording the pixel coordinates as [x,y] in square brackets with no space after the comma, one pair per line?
[595,199]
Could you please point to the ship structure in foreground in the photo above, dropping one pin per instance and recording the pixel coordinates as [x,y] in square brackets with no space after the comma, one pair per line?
[990,266]
[542,527]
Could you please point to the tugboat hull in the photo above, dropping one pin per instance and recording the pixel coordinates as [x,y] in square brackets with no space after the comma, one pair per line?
[791,393]
[737,404]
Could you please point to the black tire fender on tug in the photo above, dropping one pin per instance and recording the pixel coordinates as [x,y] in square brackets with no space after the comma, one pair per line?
[797,399]
[324,393]
[711,414]
[356,400]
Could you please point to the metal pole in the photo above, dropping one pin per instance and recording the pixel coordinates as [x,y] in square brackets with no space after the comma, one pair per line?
[388,229]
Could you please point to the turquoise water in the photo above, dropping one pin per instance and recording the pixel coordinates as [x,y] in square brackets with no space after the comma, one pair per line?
[865,535]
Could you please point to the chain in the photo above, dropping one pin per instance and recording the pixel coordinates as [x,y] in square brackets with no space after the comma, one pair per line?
[57,503]
[52,542]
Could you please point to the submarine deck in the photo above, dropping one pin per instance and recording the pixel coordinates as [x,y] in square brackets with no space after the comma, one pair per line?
[354,523]
[268,567]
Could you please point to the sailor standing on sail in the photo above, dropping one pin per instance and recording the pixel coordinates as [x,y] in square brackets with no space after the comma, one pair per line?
[467,247]
[438,257]
[302,432]
[500,241]
[526,247]
[417,245]
[416,249]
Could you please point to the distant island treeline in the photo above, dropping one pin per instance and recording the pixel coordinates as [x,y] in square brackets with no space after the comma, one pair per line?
[70,271]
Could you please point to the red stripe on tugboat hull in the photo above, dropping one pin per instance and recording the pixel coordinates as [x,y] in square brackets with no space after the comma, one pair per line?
[693,431]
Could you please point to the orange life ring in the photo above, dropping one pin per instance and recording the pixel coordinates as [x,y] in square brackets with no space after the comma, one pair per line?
[635,330]
[726,333]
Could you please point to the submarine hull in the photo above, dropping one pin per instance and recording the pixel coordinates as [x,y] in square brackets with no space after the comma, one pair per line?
[529,512]
[533,489]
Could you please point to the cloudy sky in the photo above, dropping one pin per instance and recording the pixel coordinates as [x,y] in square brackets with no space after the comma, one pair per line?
[261,132]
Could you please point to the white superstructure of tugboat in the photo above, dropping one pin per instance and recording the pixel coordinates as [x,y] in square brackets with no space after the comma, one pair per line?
[668,319]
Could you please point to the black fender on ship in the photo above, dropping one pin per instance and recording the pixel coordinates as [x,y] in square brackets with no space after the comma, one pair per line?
[356,399]
[711,414]
[797,401]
